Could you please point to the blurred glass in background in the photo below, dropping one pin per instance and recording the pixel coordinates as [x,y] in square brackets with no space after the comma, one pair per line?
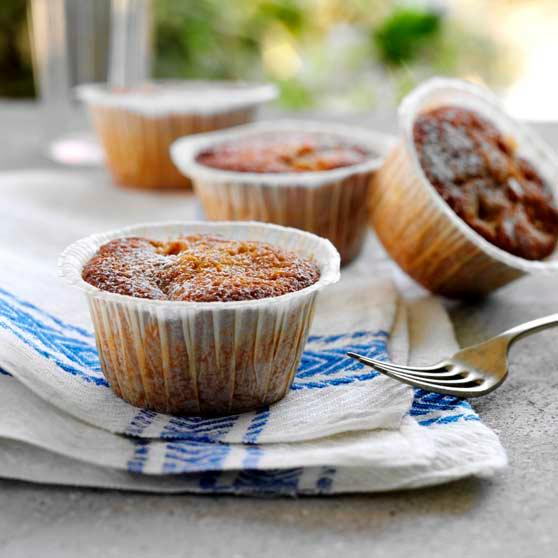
[335,55]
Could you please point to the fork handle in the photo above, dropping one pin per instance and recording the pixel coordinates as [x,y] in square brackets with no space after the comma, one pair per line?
[529,328]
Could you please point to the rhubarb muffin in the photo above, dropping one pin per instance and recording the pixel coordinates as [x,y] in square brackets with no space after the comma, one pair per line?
[467,200]
[201,318]
[478,173]
[136,126]
[313,176]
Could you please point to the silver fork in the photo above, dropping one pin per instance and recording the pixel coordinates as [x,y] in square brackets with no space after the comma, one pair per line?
[471,372]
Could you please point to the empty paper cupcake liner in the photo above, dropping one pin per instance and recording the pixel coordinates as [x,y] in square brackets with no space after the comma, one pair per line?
[420,231]
[136,128]
[332,203]
[202,358]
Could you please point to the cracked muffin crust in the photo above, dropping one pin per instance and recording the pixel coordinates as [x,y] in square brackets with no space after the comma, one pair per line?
[198,268]
[280,153]
[477,171]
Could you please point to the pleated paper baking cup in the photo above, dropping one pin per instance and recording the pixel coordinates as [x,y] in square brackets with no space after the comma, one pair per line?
[419,229]
[332,203]
[137,128]
[202,358]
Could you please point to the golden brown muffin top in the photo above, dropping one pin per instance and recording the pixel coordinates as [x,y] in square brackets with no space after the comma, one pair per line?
[478,173]
[200,268]
[280,153]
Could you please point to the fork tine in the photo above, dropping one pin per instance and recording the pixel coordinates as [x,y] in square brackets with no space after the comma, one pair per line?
[438,387]
[418,374]
[399,367]
[454,375]
[421,376]
[407,375]
[438,382]
[433,379]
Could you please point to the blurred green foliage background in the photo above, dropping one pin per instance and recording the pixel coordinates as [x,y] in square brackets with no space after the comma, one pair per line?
[335,54]
[326,53]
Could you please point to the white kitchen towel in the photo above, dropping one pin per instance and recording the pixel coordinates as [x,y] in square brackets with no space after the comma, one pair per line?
[47,344]
[440,440]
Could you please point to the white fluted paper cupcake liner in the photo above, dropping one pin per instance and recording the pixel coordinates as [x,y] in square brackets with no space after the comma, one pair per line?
[332,204]
[137,128]
[202,358]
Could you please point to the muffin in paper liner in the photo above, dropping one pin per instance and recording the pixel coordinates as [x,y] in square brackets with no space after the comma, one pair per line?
[331,203]
[202,358]
[419,229]
[137,127]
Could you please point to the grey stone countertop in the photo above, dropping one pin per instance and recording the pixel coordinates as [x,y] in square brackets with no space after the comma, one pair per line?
[514,515]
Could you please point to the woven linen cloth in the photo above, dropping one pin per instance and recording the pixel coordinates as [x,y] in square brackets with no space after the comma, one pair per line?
[342,427]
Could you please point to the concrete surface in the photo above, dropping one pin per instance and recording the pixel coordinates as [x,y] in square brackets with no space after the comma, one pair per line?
[515,515]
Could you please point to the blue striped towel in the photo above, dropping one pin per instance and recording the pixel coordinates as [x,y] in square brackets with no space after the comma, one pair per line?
[342,427]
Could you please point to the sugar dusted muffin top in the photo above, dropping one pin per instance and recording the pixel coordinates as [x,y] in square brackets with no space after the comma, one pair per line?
[198,268]
[478,172]
[284,152]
